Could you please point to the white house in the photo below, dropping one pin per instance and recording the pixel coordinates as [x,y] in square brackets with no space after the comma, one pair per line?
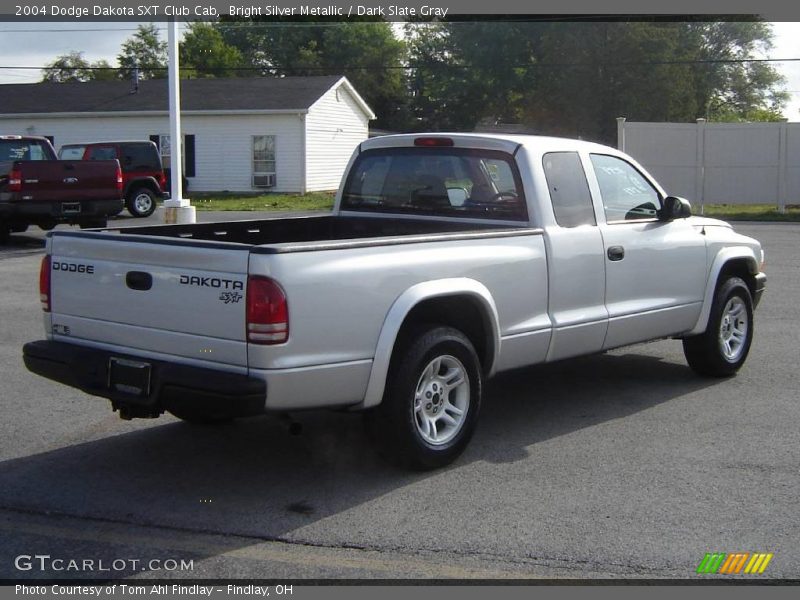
[291,134]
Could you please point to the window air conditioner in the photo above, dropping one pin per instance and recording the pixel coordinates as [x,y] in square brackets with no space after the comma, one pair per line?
[264,180]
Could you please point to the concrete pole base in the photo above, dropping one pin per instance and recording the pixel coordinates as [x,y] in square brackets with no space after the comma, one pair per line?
[179,215]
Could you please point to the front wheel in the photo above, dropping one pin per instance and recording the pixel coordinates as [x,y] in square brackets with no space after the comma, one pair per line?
[723,348]
[141,202]
[432,400]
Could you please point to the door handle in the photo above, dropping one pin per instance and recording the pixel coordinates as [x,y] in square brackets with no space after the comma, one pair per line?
[616,253]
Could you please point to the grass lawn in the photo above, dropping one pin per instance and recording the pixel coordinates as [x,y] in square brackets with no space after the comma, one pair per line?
[324,201]
[749,212]
[231,201]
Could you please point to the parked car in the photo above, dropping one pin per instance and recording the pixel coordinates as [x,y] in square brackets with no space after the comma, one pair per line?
[143,178]
[38,189]
[447,259]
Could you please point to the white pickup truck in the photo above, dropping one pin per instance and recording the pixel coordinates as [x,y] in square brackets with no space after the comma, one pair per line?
[446,259]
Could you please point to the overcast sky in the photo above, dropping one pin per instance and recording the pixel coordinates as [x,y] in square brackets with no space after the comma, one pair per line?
[25,45]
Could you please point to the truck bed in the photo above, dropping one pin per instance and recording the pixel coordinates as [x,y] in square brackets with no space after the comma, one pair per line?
[295,234]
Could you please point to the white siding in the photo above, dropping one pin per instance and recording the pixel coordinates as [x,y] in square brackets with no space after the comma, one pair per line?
[224,151]
[335,125]
[223,143]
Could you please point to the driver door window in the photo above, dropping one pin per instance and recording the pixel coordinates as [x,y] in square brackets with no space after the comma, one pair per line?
[626,194]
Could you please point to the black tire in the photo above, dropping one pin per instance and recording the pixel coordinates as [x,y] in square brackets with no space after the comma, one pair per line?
[723,348]
[5,231]
[141,202]
[398,424]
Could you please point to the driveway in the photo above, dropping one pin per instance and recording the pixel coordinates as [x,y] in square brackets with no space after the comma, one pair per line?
[621,465]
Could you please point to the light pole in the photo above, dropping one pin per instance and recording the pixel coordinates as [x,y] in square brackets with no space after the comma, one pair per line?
[177,209]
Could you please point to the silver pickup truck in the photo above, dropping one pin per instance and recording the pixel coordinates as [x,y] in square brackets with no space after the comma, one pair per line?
[446,259]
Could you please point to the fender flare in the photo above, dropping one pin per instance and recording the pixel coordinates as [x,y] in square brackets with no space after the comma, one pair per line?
[399,311]
[148,182]
[723,257]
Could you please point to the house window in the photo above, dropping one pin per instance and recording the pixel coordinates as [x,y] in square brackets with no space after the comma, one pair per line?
[263,160]
[164,149]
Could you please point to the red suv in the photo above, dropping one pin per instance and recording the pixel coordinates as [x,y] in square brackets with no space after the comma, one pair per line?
[143,178]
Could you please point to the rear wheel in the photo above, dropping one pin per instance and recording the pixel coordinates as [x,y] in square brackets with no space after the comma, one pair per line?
[5,230]
[141,202]
[723,348]
[432,400]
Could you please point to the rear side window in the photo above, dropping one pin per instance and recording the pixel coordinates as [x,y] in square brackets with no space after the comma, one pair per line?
[102,153]
[23,150]
[71,152]
[627,195]
[569,190]
[140,157]
[456,182]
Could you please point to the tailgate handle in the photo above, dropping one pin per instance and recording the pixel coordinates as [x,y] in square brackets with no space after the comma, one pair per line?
[139,280]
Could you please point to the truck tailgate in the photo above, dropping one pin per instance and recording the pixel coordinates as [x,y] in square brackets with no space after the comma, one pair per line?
[160,298]
[69,180]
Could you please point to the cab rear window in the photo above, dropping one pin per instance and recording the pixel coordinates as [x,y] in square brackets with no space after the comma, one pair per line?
[23,150]
[444,181]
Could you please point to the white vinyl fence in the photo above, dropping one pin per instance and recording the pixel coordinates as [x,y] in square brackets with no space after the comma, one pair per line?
[719,163]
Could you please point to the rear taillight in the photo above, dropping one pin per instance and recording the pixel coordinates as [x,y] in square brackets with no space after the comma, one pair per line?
[15,180]
[44,283]
[119,179]
[267,312]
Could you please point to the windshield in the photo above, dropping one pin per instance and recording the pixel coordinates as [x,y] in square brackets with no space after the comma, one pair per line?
[448,181]
[23,150]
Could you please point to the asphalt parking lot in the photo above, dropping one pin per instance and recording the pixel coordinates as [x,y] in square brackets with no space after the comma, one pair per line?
[624,465]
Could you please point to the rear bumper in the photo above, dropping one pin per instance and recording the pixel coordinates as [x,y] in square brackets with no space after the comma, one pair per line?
[761,285]
[60,211]
[172,386]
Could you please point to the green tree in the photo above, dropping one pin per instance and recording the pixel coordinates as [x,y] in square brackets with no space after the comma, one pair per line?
[73,67]
[204,53]
[103,71]
[146,51]
[574,78]
[67,68]
[366,51]
[734,86]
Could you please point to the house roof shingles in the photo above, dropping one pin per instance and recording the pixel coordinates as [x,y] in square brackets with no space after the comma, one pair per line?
[234,94]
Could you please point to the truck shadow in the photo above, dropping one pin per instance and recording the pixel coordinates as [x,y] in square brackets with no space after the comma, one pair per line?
[34,237]
[22,243]
[254,478]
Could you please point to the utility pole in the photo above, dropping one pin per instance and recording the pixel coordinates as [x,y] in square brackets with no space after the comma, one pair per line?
[177,209]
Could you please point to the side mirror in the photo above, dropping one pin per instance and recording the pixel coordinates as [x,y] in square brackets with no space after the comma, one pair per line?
[674,208]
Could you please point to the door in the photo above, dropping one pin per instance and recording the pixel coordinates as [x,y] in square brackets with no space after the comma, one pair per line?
[576,274]
[655,271]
